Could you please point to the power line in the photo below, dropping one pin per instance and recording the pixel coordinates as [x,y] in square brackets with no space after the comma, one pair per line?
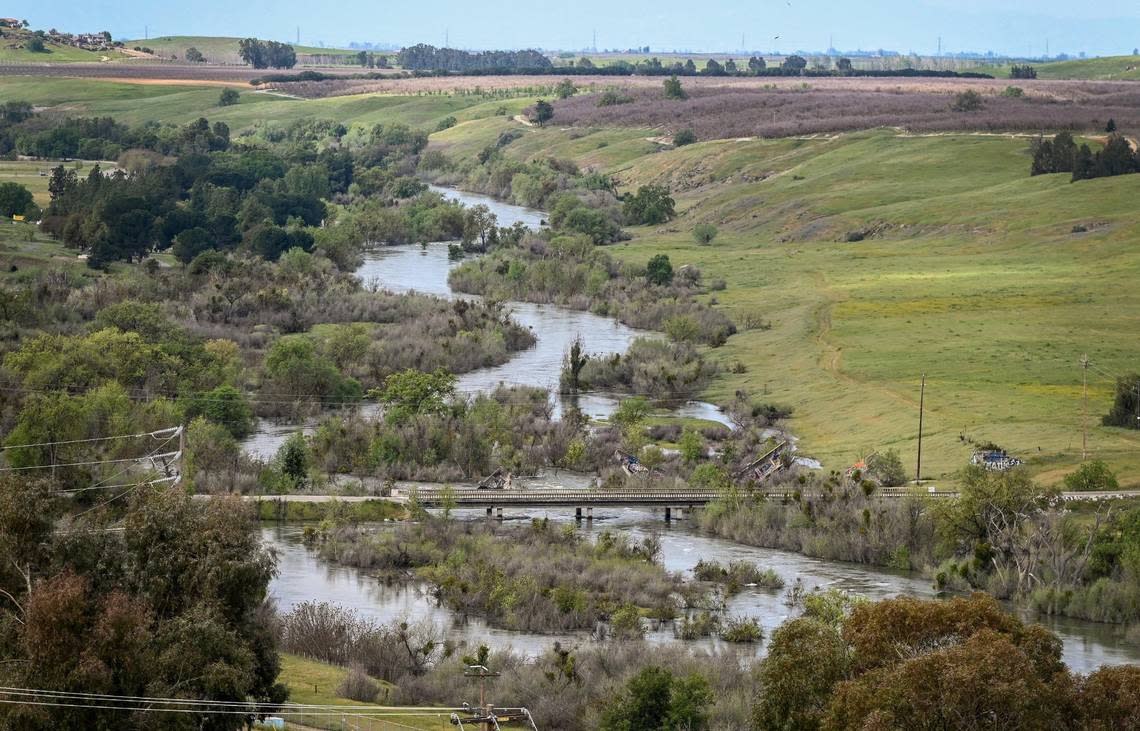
[173,455]
[156,434]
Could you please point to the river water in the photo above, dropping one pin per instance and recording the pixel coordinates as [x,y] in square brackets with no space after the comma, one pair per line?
[303,576]
[424,269]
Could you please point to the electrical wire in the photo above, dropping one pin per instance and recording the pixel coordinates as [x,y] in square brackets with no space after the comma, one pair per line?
[156,434]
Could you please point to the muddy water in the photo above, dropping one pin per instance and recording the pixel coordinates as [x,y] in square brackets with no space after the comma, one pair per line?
[302,576]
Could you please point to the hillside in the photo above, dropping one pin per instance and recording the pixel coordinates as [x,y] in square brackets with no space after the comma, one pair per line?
[221,49]
[1106,68]
[969,271]
[13,49]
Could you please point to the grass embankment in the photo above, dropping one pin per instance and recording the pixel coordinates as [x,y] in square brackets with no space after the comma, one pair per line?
[1106,68]
[969,271]
[315,683]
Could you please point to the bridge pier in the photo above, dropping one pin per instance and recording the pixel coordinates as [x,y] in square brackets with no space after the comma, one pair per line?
[578,514]
[499,514]
[590,514]
[489,509]
[668,515]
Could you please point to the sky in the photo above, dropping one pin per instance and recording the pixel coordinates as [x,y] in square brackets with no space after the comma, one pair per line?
[1013,27]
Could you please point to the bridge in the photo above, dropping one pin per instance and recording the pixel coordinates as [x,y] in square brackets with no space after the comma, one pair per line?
[436,496]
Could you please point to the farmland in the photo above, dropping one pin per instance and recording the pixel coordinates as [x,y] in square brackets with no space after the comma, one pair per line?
[220,49]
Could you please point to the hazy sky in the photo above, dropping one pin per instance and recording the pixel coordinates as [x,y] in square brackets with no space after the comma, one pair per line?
[1014,26]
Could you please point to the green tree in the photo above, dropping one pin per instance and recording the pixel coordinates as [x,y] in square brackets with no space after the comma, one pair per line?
[229,97]
[35,44]
[645,704]
[543,112]
[412,392]
[565,89]
[15,199]
[673,88]
[704,233]
[659,270]
[651,205]
[224,405]
[293,458]
[685,137]
[887,467]
[193,55]
[1091,476]
[806,659]
[844,66]
[1126,406]
[795,64]
[692,447]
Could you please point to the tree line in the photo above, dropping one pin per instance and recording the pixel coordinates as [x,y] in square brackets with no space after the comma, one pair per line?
[427,57]
[1062,155]
[267,54]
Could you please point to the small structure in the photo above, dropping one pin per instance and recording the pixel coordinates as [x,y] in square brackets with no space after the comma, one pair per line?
[766,465]
[630,463]
[497,480]
[995,460]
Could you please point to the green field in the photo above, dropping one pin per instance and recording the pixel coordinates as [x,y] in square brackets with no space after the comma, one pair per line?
[314,683]
[1106,68]
[14,52]
[974,277]
[217,49]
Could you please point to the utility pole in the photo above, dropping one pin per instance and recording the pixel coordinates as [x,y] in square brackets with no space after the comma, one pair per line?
[1085,407]
[298,35]
[921,407]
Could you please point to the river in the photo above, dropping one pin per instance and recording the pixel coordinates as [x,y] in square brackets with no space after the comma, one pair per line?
[302,576]
[424,269]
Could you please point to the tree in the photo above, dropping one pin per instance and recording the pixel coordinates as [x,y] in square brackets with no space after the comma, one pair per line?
[651,205]
[692,447]
[224,405]
[887,467]
[795,64]
[1022,72]
[704,233]
[1091,476]
[229,97]
[35,44]
[673,88]
[1111,126]
[968,101]
[15,199]
[631,412]
[293,458]
[713,68]
[543,112]
[806,659]
[565,89]
[413,392]
[844,66]
[654,700]
[757,64]
[659,271]
[1084,164]
[685,137]
[1126,407]
[576,360]
[990,507]
[193,55]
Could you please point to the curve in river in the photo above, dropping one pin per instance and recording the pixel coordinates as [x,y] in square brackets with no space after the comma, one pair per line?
[424,268]
[302,576]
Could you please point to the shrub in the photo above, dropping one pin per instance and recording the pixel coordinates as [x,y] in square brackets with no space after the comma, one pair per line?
[968,101]
[1013,92]
[741,629]
[704,233]
[673,89]
[612,98]
[651,205]
[446,123]
[659,270]
[685,137]
[1091,476]
[887,467]
[229,97]
[358,686]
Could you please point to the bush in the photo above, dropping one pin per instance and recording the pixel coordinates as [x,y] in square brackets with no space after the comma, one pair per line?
[357,686]
[1013,92]
[651,205]
[446,123]
[741,629]
[1091,477]
[674,90]
[704,233]
[659,271]
[228,98]
[968,101]
[887,467]
[612,98]
[685,137]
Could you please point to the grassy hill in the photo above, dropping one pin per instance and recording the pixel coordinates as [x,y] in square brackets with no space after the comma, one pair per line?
[970,272]
[1107,68]
[218,49]
[13,50]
